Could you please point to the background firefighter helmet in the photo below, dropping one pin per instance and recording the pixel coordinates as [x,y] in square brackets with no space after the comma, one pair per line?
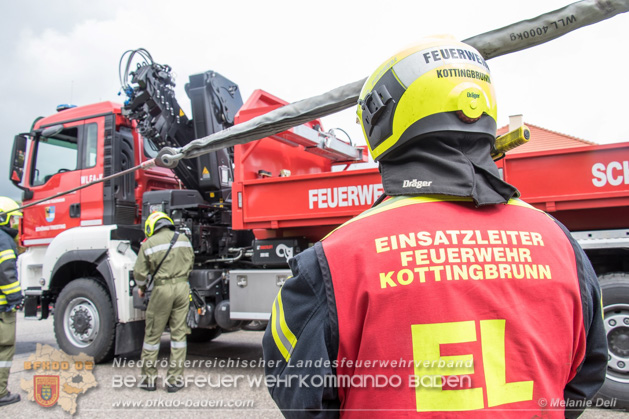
[8,208]
[439,85]
[155,221]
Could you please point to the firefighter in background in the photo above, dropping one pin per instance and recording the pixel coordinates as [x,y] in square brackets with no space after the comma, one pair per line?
[459,299]
[169,300]
[10,293]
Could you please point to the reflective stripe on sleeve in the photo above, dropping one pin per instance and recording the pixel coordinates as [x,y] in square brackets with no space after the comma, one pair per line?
[282,335]
[6,255]
[178,345]
[6,364]
[3,300]
[150,347]
[161,247]
[11,288]
[519,203]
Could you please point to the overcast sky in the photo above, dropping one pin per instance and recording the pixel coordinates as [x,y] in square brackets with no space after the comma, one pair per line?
[54,52]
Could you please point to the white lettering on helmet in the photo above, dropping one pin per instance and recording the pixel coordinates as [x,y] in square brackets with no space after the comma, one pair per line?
[418,184]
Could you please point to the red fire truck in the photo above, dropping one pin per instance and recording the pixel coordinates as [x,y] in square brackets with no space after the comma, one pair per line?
[587,189]
[246,209]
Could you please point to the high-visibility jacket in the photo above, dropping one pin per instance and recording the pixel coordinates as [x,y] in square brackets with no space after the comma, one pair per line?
[430,307]
[9,283]
[177,264]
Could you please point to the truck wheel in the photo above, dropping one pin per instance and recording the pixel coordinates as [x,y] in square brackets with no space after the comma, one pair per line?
[84,320]
[204,335]
[615,289]
[256,325]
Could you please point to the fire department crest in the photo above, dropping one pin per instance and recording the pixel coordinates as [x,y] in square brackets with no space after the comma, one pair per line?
[59,379]
[50,213]
[46,389]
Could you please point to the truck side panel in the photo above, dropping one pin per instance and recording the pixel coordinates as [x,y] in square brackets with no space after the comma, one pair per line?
[587,188]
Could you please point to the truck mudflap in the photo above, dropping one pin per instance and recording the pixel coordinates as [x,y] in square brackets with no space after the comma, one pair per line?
[129,337]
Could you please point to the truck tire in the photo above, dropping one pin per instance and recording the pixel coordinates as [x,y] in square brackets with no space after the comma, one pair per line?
[84,320]
[256,325]
[615,289]
[204,335]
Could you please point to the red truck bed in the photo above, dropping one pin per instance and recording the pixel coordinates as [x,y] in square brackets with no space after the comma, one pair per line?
[298,193]
[586,188]
[281,190]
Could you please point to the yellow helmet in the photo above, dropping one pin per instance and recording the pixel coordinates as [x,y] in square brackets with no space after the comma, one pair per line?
[155,221]
[8,208]
[439,85]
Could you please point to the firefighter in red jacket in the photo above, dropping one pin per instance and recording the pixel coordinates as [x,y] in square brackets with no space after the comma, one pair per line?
[450,297]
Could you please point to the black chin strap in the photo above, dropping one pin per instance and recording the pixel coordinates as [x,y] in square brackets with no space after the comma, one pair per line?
[379,200]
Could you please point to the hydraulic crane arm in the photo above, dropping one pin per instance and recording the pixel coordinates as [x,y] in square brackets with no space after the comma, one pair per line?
[153,105]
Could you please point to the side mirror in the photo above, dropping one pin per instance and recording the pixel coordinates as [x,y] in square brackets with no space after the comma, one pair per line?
[17,159]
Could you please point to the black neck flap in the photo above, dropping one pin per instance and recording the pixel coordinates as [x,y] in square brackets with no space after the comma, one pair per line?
[452,163]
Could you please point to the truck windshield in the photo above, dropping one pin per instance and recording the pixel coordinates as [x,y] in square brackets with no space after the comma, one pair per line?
[54,155]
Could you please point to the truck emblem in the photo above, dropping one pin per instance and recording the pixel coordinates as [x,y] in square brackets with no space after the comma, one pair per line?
[50,214]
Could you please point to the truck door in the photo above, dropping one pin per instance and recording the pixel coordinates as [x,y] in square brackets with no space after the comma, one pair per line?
[90,208]
[57,164]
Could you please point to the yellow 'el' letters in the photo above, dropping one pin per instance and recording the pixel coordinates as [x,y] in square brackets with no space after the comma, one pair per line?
[427,339]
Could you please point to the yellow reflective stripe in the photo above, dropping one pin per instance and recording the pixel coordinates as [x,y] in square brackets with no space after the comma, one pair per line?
[519,203]
[402,201]
[284,338]
[276,337]
[11,288]
[6,255]
[3,299]
[11,285]
[287,332]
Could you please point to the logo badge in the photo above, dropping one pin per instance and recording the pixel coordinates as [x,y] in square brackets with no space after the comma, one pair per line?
[284,251]
[50,214]
[46,389]
[416,183]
